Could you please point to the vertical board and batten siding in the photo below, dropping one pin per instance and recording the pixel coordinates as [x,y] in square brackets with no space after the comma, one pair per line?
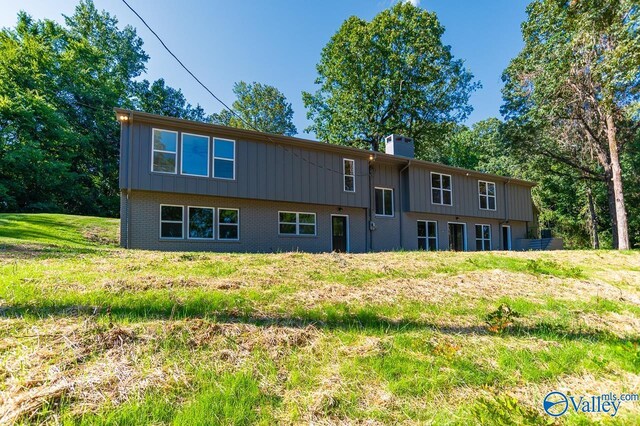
[264,170]
[386,235]
[465,196]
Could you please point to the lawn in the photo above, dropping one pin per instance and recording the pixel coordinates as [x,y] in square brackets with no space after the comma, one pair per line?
[94,334]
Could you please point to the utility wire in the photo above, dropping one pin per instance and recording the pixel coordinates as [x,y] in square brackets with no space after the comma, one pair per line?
[220,100]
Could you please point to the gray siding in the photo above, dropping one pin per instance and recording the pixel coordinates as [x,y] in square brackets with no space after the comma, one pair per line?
[264,171]
[513,202]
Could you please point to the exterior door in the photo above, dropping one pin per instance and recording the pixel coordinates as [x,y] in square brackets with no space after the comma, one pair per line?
[456,236]
[339,229]
[506,237]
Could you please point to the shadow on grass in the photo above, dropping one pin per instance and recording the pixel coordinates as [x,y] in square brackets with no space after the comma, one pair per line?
[362,320]
[29,251]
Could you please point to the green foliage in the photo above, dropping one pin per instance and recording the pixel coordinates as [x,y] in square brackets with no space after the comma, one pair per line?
[264,107]
[501,319]
[390,75]
[506,410]
[158,98]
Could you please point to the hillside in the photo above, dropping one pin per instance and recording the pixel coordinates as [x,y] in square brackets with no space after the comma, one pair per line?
[93,334]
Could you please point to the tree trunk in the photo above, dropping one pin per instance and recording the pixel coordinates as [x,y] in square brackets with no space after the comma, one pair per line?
[593,220]
[616,178]
[612,208]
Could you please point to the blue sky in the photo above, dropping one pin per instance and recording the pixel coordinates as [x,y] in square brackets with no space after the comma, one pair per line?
[278,42]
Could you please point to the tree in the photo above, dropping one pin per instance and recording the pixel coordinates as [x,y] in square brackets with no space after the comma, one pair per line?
[158,98]
[573,92]
[261,107]
[390,75]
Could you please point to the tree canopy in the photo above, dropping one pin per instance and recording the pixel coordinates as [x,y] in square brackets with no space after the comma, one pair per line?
[390,75]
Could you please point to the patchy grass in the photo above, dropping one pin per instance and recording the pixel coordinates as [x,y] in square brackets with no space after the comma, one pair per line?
[93,334]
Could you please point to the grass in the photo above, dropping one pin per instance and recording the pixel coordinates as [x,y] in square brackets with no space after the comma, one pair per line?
[93,334]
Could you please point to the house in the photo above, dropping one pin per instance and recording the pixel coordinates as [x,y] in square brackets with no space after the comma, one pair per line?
[194,186]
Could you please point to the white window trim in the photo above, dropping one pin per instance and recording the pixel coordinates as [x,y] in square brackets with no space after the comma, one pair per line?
[441,188]
[485,239]
[393,206]
[213,224]
[182,153]
[427,237]
[297,224]
[345,175]
[153,150]
[213,155]
[464,233]
[509,239]
[480,195]
[217,220]
[346,230]
[171,221]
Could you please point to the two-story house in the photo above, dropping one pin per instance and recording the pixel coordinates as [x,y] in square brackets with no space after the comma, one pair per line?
[194,186]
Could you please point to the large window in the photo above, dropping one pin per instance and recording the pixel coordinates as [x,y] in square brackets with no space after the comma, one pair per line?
[171,220]
[487,193]
[441,189]
[294,223]
[349,170]
[224,158]
[228,224]
[201,223]
[195,155]
[483,237]
[165,151]
[384,201]
[427,235]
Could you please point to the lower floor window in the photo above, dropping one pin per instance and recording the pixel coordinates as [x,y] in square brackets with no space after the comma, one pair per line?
[427,235]
[293,223]
[228,223]
[201,222]
[171,221]
[483,237]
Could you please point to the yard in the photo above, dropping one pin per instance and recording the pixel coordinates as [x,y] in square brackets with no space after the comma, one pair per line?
[94,334]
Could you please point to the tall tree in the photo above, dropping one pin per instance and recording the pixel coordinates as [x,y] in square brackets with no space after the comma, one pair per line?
[574,89]
[158,98]
[390,75]
[261,107]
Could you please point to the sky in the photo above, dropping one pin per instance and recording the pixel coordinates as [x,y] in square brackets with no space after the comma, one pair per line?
[278,42]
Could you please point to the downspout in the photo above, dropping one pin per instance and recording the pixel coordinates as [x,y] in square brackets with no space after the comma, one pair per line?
[370,209]
[401,204]
[506,212]
[129,173]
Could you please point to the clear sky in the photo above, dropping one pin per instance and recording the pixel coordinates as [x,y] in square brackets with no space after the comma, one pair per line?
[278,42]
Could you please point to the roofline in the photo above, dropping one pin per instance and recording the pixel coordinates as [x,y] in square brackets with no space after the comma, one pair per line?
[314,144]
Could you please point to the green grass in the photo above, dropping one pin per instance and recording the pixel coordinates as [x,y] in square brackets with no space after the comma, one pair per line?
[204,338]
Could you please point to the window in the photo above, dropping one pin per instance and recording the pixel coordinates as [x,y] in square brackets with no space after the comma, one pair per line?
[228,223]
[441,189]
[483,237]
[171,221]
[292,223]
[195,155]
[165,149]
[487,193]
[349,170]
[427,235]
[201,223]
[224,158]
[384,202]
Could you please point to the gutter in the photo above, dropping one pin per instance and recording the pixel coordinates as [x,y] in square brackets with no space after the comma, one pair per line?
[401,203]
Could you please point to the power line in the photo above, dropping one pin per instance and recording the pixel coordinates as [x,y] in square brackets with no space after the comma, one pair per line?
[220,100]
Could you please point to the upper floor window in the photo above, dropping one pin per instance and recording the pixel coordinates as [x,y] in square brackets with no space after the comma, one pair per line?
[487,193]
[195,155]
[294,223]
[483,237]
[384,201]
[171,220]
[349,169]
[441,189]
[224,158]
[165,151]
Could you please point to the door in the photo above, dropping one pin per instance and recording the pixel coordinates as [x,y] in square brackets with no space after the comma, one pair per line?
[506,237]
[339,229]
[456,236]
